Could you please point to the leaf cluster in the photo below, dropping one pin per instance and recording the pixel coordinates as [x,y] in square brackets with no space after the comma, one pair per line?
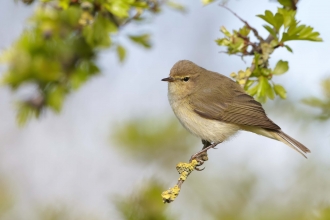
[57,53]
[283,27]
[144,203]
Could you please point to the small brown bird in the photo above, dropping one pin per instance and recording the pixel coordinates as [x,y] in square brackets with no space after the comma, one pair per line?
[214,107]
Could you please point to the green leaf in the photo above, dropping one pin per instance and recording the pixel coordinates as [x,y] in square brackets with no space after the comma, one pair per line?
[252,91]
[265,71]
[121,52]
[288,48]
[64,4]
[176,6]
[143,40]
[98,34]
[276,21]
[225,31]
[244,31]
[280,91]
[55,98]
[281,67]
[206,2]
[262,88]
[301,32]
[270,92]
[119,8]
[24,113]
[288,16]
[271,31]
[222,41]
[249,83]
[286,3]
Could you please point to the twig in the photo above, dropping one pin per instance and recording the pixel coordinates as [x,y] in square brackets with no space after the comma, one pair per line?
[184,170]
[255,32]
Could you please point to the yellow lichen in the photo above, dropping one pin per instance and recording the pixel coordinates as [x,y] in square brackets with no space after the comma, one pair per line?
[185,169]
[170,194]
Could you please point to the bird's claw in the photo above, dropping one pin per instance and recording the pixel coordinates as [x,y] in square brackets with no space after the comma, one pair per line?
[196,168]
[200,159]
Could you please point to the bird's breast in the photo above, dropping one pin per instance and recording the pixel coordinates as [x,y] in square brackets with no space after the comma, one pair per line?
[207,129]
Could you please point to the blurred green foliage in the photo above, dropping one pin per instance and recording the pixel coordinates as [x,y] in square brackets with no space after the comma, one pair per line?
[162,141]
[282,26]
[144,203]
[57,52]
[322,104]
[58,212]
[237,194]
[6,199]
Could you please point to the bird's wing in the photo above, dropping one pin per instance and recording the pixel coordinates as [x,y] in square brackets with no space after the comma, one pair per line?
[238,107]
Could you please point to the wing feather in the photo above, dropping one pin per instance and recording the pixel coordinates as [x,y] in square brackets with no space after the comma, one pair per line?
[237,108]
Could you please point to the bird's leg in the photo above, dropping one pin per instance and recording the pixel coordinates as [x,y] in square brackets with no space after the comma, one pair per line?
[201,156]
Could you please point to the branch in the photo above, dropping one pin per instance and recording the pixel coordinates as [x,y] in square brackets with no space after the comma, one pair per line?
[184,169]
[255,32]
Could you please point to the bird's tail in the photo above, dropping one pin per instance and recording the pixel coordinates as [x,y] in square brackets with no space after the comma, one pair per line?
[294,144]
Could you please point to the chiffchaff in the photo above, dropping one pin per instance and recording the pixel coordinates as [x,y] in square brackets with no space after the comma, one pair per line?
[214,107]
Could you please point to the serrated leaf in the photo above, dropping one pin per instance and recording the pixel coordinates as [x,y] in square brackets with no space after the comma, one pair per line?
[268,17]
[280,91]
[244,31]
[275,20]
[121,52]
[301,32]
[281,67]
[288,16]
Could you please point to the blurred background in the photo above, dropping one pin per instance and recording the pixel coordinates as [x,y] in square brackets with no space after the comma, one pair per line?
[113,149]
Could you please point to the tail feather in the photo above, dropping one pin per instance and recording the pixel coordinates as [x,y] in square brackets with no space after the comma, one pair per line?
[281,136]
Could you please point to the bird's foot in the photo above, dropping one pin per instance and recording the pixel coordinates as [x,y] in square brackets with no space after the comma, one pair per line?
[201,156]
[200,160]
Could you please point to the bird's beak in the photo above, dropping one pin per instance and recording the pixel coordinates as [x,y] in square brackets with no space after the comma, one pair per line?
[168,79]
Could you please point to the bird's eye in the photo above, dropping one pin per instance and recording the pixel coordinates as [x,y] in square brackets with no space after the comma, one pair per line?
[186,79]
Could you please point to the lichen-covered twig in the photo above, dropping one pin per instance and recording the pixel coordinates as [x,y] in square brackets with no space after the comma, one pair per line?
[184,170]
